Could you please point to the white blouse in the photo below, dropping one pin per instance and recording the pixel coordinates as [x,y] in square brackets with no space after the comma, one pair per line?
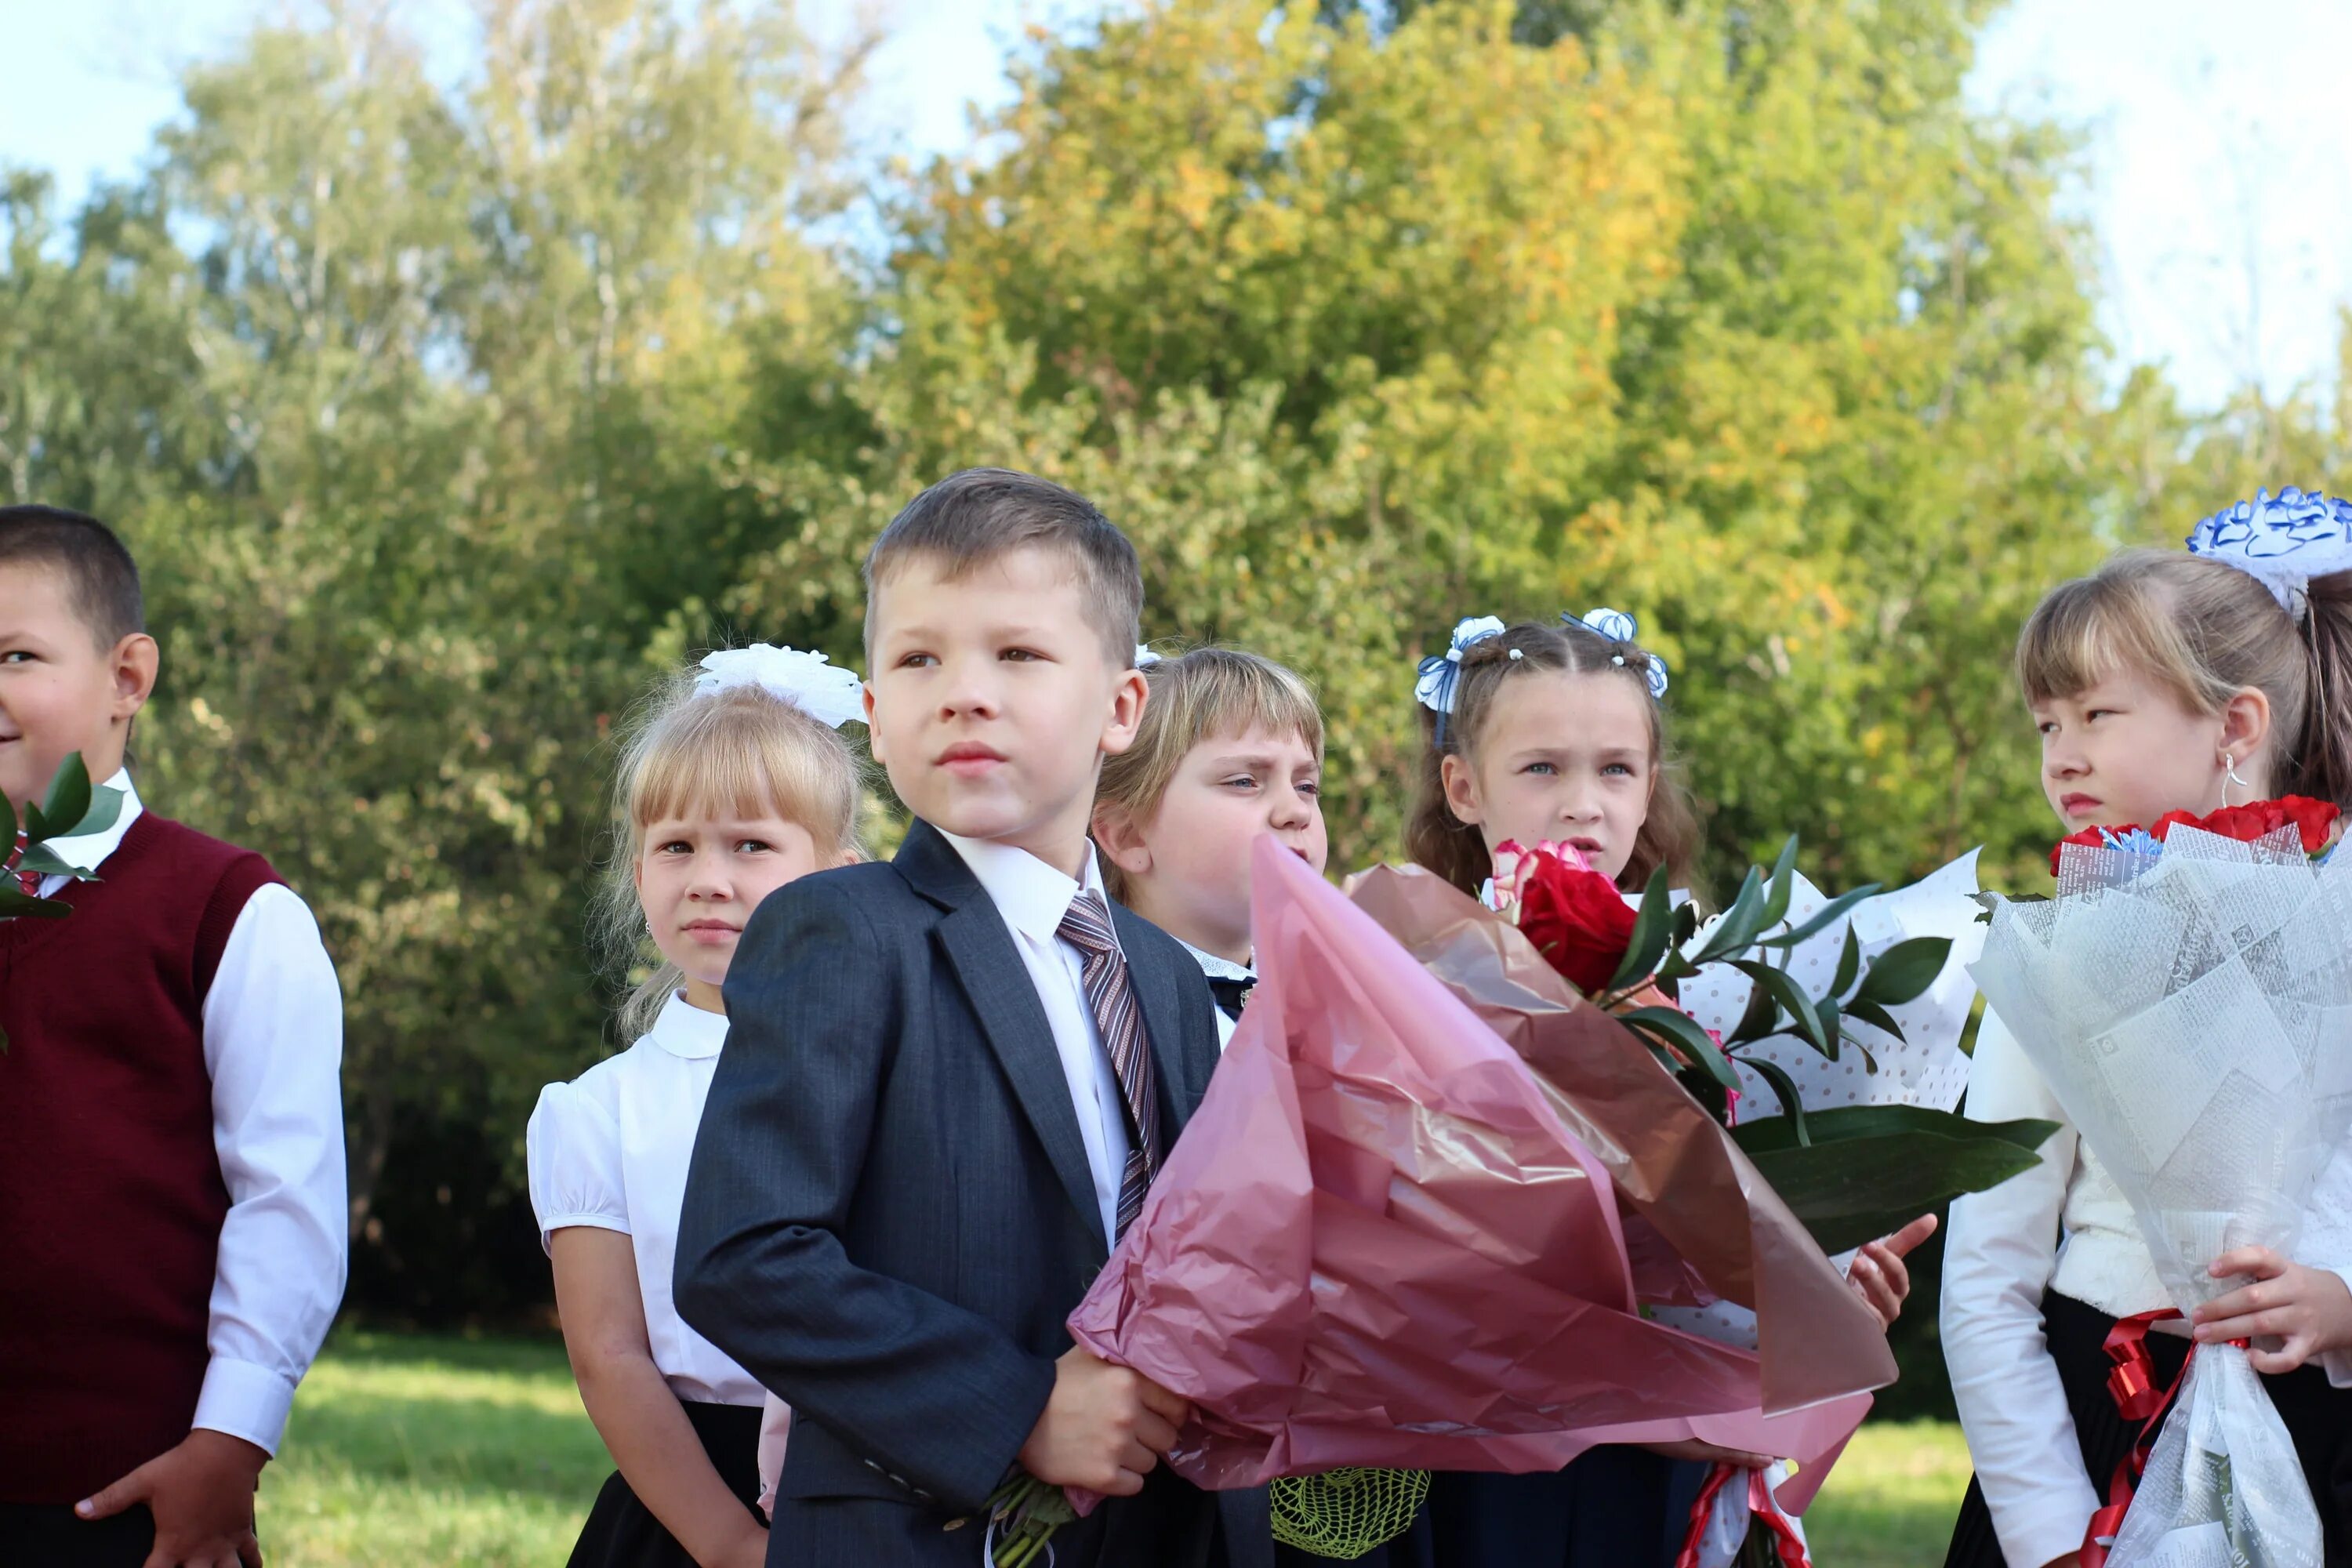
[2062,1226]
[610,1150]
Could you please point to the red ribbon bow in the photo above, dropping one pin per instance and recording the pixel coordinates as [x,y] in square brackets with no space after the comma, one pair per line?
[2132,1383]
[1787,1547]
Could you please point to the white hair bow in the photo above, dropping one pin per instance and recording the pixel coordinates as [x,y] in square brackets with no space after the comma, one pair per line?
[807,680]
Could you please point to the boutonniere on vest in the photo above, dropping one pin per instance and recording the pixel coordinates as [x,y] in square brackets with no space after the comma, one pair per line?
[72,809]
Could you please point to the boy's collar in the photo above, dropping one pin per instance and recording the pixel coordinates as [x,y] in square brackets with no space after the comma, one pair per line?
[1215,967]
[89,851]
[1031,895]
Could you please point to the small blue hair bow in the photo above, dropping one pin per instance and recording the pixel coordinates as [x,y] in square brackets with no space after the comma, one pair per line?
[1441,673]
[1620,627]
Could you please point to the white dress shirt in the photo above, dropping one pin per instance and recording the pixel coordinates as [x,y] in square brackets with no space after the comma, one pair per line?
[2061,1225]
[1217,968]
[273,1025]
[1032,897]
[609,1149]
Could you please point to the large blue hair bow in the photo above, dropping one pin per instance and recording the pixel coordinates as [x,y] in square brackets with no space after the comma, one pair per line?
[1620,627]
[2283,542]
[1441,673]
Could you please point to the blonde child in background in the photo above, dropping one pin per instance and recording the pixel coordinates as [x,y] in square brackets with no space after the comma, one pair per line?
[734,781]
[1231,747]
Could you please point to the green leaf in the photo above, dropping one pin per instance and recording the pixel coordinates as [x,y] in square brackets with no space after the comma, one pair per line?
[1776,905]
[1792,1105]
[15,900]
[1852,1123]
[1828,915]
[1849,1190]
[1756,1020]
[1873,1013]
[7,826]
[1736,931]
[1652,928]
[1682,1032]
[1833,1021]
[1686,922]
[105,807]
[1904,970]
[1849,964]
[43,861]
[68,796]
[1791,998]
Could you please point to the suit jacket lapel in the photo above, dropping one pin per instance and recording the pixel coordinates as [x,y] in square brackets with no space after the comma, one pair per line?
[1182,1078]
[996,979]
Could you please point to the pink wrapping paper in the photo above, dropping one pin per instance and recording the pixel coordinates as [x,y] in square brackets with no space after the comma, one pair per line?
[1376,1243]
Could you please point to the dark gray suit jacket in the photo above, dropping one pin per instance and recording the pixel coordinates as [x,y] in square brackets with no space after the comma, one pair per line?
[889,1216]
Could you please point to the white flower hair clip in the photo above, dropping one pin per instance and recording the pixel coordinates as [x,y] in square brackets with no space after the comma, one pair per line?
[2283,542]
[1144,658]
[809,681]
[1620,627]
[1439,673]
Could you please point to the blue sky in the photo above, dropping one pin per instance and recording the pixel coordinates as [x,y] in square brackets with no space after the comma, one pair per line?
[2220,197]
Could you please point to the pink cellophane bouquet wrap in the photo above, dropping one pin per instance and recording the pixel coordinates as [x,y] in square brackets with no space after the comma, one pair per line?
[1380,1242]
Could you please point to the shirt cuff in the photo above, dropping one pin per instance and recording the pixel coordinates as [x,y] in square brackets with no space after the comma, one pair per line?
[2048,1527]
[244,1400]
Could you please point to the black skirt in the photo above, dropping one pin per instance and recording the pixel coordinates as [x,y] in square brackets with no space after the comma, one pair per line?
[621,1532]
[2317,1416]
[1612,1508]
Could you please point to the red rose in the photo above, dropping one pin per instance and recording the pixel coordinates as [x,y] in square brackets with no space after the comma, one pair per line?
[1576,919]
[2313,820]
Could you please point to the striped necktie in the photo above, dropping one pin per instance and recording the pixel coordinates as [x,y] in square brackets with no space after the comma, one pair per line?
[30,881]
[1087,927]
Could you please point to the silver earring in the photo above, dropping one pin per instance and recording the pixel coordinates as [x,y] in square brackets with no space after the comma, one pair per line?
[2230,772]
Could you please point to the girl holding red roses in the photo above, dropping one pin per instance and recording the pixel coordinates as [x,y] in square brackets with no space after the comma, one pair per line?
[1555,733]
[2167,689]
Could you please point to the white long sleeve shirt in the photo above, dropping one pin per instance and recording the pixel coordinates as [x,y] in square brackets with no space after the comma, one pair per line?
[2062,1226]
[273,1032]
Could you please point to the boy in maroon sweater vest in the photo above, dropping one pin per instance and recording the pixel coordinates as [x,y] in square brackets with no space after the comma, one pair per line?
[171,1210]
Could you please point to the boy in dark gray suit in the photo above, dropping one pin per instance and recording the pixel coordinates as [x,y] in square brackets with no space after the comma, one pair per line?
[948,1079]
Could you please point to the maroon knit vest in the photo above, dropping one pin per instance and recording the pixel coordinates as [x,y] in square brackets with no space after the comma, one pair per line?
[110,1193]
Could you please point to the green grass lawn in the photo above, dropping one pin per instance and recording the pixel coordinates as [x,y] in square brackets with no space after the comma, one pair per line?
[451,1453]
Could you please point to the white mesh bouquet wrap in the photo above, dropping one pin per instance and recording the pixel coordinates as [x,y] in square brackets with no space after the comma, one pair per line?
[2191,1010]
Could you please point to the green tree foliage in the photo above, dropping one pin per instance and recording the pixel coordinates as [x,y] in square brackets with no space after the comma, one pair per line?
[413,436]
[1731,315]
[440,410]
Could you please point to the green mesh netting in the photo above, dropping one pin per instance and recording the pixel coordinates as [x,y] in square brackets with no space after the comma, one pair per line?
[1345,1513]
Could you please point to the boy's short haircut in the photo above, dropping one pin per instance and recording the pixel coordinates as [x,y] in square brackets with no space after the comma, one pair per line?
[979,515]
[101,577]
[1196,697]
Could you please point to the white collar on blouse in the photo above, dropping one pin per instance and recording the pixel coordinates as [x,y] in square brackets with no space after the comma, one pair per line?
[685,1030]
[1032,896]
[89,851]
[1215,967]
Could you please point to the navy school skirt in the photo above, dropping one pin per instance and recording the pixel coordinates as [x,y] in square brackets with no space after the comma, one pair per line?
[2317,1416]
[621,1532]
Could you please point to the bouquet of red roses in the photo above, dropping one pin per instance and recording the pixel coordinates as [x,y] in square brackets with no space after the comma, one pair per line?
[2313,822]
[1852,1175]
